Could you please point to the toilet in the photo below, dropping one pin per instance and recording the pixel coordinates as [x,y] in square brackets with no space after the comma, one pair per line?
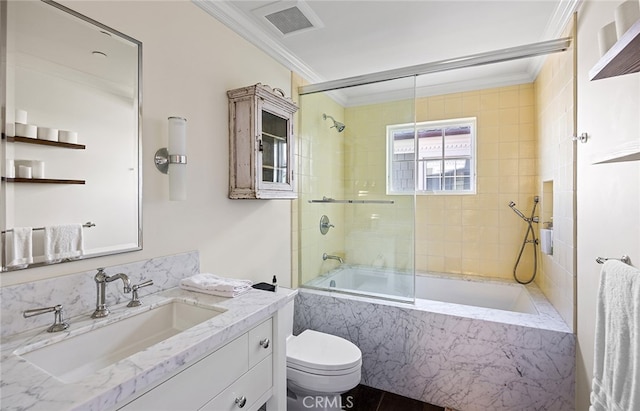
[320,367]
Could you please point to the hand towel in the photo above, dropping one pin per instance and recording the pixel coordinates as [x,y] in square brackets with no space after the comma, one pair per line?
[21,247]
[215,285]
[616,368]
[63,241]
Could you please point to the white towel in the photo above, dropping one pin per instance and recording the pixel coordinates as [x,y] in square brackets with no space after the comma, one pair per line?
[215,285]
[21,247]
[616,368]
[63,241]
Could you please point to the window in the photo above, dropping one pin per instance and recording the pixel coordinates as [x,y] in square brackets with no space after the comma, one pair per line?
[445,160]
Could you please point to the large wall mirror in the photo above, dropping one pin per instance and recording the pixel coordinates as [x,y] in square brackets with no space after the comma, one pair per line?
[71,137]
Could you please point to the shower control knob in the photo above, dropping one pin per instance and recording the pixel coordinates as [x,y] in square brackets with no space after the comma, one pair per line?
[241,401]
[325,225]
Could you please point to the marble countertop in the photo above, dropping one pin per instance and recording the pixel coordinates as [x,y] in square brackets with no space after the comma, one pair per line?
[27,387]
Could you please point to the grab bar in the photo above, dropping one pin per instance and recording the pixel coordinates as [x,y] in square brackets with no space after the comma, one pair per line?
[625,259]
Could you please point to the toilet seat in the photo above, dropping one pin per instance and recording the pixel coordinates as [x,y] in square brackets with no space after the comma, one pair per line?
[324,372]
[318,353]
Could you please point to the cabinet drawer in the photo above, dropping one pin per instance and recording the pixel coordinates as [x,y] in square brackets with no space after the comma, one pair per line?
[193,387]
[260,342]
[249,388]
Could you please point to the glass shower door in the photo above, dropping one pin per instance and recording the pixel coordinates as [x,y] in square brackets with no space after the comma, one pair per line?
[368,248]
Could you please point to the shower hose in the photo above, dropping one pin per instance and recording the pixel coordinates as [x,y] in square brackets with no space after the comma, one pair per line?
[526,240]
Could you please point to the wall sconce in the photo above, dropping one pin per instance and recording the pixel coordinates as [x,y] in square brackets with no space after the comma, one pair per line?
[173,161]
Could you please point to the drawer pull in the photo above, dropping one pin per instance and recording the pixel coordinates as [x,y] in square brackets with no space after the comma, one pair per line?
[241,401]
[264,343]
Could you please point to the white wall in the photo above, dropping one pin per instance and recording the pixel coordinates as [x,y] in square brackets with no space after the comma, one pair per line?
[190,60]
[608,203]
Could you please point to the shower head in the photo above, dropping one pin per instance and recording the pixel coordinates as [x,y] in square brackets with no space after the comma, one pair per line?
[515,210]
[338,125]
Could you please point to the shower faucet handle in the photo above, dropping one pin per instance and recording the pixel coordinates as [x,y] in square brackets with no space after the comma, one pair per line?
[325,225]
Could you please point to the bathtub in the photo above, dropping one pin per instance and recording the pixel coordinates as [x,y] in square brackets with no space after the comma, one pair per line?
[375,282]
[463,343]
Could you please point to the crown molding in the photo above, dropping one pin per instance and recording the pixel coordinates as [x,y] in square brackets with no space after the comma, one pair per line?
[555,28]
[231,17]
[235,20]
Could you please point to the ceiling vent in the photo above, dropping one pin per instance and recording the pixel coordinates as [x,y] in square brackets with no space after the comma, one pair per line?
[289,17]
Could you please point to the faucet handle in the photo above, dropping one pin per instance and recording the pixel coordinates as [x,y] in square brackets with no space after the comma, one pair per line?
[59,324]
[135,301]
[100,275]
[142,284]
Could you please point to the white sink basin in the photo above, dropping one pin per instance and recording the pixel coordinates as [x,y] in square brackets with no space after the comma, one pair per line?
[74,358]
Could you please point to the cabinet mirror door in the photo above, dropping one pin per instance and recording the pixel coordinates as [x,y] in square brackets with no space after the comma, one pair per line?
[274,148]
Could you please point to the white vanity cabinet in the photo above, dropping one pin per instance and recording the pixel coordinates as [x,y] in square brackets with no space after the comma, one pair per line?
[237,376]
[260,143]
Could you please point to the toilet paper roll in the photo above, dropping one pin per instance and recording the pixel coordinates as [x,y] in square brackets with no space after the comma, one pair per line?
[37,168]
[546,241]
[46,133]
[67,136]
[607,37]
[21,116]
[626,15]
[24,172]
[26,130]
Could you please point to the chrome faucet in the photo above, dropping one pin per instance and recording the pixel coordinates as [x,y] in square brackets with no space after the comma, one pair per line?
[59,323]
[326,256]
[101,284]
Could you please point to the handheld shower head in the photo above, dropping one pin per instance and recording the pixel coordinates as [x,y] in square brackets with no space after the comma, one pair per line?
[512,205]
[338,125]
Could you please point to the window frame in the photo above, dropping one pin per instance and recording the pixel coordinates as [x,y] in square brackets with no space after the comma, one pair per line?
[473,159]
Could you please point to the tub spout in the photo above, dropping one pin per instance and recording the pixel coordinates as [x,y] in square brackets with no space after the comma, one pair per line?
[326,256]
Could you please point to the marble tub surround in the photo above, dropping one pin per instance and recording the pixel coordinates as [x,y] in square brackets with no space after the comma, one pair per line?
[77,292]
[25,386]
[452,355]
[546,319]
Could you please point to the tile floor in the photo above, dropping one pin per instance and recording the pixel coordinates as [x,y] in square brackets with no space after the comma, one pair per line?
[363,398]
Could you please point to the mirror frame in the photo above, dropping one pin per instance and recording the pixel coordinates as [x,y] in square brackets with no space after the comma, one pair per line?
[3,120]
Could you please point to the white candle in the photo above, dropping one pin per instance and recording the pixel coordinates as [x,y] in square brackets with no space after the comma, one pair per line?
[626,15]
[37,169]
[24,172]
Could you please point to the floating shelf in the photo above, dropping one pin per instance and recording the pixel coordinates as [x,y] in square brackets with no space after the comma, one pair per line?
[41,181]
[28,140]
[624,152]
[622,58]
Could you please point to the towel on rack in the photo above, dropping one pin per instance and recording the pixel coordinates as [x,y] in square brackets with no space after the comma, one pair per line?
[20,253]
[63,241]
[215,285]
[616,368]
